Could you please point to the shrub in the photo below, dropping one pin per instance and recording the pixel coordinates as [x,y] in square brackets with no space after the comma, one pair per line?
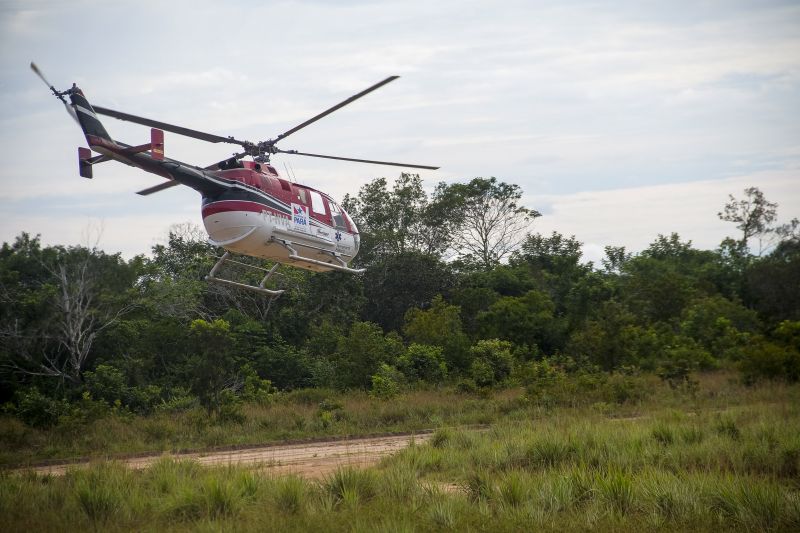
[386,382]
[467,386]
[423,362]
[770,361]
[38,410]
[178,399]
[439,326]
[677,373]
[106,383]
[492,362]
[255,388]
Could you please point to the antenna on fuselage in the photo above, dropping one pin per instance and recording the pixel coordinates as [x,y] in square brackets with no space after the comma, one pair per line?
[289,173]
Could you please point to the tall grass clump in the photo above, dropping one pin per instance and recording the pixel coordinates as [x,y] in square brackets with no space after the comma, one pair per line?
[291,494]
[615,488]
[753,505]
[221,497]
[550,451]
[443,513]
[166,475]
[399,484]
[102,491]
[478,485]
[663,434]
[350,486]
[514,490]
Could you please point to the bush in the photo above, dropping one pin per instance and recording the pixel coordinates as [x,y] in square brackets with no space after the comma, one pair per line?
[423,362]
[770,361]
[360,354]
[466,386]
[178,399]
[481,372]
[37,410]
[492,362]
[386,382]
[678,374]
[256,389]
[106,383]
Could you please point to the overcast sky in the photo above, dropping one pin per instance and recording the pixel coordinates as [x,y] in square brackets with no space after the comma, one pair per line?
[619,120]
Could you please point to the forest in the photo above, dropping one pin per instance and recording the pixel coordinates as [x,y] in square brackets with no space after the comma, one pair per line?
[539,391]
[459,292]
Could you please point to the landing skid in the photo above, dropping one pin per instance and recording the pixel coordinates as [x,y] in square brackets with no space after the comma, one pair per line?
[339,266]
[212,276]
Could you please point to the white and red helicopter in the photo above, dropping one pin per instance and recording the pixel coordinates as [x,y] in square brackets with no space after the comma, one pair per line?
[247,207]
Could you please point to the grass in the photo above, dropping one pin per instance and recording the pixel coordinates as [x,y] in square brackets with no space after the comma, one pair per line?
[299,415]
[726,460]
[322,413]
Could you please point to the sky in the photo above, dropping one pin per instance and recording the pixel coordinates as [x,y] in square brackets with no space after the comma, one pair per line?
[619,120]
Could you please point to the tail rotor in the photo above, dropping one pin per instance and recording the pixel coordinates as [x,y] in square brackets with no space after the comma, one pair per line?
[57,93]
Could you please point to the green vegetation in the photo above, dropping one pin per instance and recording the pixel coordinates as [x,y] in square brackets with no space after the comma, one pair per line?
[463,316]
[723,457]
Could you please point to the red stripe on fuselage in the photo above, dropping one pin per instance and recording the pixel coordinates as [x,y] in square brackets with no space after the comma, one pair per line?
[224,206]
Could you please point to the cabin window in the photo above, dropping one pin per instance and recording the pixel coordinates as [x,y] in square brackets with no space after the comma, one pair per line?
[317,205]
[349,221]
[302,194]
[336,213]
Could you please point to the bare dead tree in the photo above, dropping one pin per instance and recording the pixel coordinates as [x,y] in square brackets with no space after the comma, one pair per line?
[59,345]
[493,224]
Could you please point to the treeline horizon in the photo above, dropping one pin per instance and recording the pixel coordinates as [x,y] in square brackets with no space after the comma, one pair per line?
[459,289]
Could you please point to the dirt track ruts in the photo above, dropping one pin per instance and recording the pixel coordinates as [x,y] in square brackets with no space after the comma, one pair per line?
[311,460]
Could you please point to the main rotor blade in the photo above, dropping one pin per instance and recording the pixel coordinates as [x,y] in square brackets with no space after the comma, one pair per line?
[334,108]
[159,187]
[180,130]
[295,152]
[38,72]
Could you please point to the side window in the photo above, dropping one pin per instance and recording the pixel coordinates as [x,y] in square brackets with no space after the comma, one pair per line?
[338,218]
[302,194]
[317,205]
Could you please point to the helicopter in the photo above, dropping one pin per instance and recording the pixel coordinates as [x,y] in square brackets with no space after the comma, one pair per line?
[247,207]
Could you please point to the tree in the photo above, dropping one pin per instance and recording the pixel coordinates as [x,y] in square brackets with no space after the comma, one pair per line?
[525,320]
[396,283]
[440,325]
[754,216]
[212,365]
[360,354]
[772,283]
[555,263]
[59,301]
[493,224]
[615,259]
[403,219]
[423,362]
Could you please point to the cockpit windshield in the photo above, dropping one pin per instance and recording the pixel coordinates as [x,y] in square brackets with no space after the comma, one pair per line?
[337,216]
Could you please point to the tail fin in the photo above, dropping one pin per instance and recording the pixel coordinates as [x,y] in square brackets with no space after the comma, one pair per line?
[92,127]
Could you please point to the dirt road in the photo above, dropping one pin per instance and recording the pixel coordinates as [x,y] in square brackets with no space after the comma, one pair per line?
[312,460]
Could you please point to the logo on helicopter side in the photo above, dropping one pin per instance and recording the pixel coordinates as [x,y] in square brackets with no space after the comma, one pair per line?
[300,218]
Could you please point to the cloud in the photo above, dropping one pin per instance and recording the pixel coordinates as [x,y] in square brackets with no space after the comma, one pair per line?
[633,217]
[561,98]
